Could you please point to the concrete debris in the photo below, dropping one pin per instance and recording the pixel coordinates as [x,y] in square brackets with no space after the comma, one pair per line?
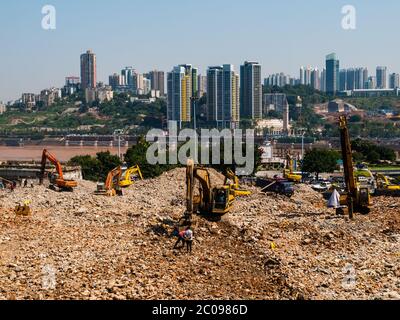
[81,246]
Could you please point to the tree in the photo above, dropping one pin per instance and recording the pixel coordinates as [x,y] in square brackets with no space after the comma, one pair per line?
[136,155]
[96,169]
[318,161]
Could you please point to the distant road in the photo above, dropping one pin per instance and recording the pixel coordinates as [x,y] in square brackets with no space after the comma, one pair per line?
[34,153]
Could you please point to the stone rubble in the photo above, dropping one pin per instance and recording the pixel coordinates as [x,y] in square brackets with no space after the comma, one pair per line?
[82,246]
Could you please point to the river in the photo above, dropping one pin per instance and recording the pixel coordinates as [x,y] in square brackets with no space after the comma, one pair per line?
[62,153]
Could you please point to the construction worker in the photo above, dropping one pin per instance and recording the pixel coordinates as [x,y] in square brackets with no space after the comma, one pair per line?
[25,183]
[181,237]
[188,238]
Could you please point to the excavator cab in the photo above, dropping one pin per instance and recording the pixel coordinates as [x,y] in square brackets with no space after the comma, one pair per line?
[111,187]
[232,181]
[209,201]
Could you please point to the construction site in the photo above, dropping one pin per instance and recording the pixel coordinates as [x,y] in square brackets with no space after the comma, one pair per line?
[65,238]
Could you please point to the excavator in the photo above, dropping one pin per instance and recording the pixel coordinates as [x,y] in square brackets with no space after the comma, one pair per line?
[233,181]
[126,179]
[385,185]
[357,198]
[112,181]
[57,181]
[210,201]
[289,173]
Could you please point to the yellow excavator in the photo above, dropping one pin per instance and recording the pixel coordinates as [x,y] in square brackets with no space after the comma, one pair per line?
[23,209]
[356,197]
[111,187]
[289,173]
[128,177]
[210,201]
[384,183]
[232,180]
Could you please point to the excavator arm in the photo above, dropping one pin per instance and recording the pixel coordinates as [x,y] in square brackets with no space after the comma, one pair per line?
[59,182]
[357,199]
[107,188]
[126,180]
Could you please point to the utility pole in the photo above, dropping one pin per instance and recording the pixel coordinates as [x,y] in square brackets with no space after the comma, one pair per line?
[119,133]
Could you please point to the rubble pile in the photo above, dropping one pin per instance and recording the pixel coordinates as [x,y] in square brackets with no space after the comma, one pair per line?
[82,246]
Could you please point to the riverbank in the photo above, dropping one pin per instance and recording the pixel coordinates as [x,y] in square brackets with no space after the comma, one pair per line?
[63,153]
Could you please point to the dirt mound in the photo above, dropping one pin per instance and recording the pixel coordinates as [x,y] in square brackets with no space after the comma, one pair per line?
[81,246]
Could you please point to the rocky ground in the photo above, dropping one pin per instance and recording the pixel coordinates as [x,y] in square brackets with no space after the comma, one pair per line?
[81,246]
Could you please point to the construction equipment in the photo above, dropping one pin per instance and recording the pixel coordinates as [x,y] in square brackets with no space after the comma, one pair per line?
[276,185]
[111,187]
[128,177]
[57,181]
[23,209]
[357,198]
[288,172]
[211,201]
[384,183]
[232,180]
[4,182]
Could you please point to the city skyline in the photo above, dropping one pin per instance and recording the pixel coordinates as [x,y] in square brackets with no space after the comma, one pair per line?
[279,42]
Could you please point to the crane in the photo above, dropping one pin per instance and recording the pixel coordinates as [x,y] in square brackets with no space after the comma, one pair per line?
[57,181]
[126,179]
[234,185]
[112,181]
[212,201]
[357,198]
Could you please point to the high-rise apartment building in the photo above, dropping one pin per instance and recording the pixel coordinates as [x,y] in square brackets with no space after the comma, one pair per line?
[315,79]
[180,93]
[157,79]
[332,73]
[88,70]
[381,77]
[128,74]
[251,91]
[223,96]
[343,80]
[394,81]
[202,83]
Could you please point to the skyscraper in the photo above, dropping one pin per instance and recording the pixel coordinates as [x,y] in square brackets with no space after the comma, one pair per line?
[332,73]
[351,79]
[223,96]
[128,74]
[250,90]
[302,76]
[323,80]
[180,93]
[202,83]
[88,70]
[315,81]
[381,77]
[394,81]
[343,80]
[157,79]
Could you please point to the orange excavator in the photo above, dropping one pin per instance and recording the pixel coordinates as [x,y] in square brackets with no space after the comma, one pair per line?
[57,181]
[111,187]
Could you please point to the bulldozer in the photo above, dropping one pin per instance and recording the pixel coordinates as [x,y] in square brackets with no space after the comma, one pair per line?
[23,209]
[356,197]
[57,181]
[210,201]
[111,187]
[232,181]
[128,176]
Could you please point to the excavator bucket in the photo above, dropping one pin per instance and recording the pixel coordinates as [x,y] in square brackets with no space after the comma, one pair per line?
[23,210]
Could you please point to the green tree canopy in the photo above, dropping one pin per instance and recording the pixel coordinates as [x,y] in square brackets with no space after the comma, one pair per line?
[319,161]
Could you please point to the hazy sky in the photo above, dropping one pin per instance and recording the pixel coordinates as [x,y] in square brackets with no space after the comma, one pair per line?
[148,34]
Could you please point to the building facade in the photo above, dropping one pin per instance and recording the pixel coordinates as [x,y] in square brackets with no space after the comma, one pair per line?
[250,91]
[394,81]
[381,78]
[88,70]
[223,96]
[332,73]
[181,93]
[157,79]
